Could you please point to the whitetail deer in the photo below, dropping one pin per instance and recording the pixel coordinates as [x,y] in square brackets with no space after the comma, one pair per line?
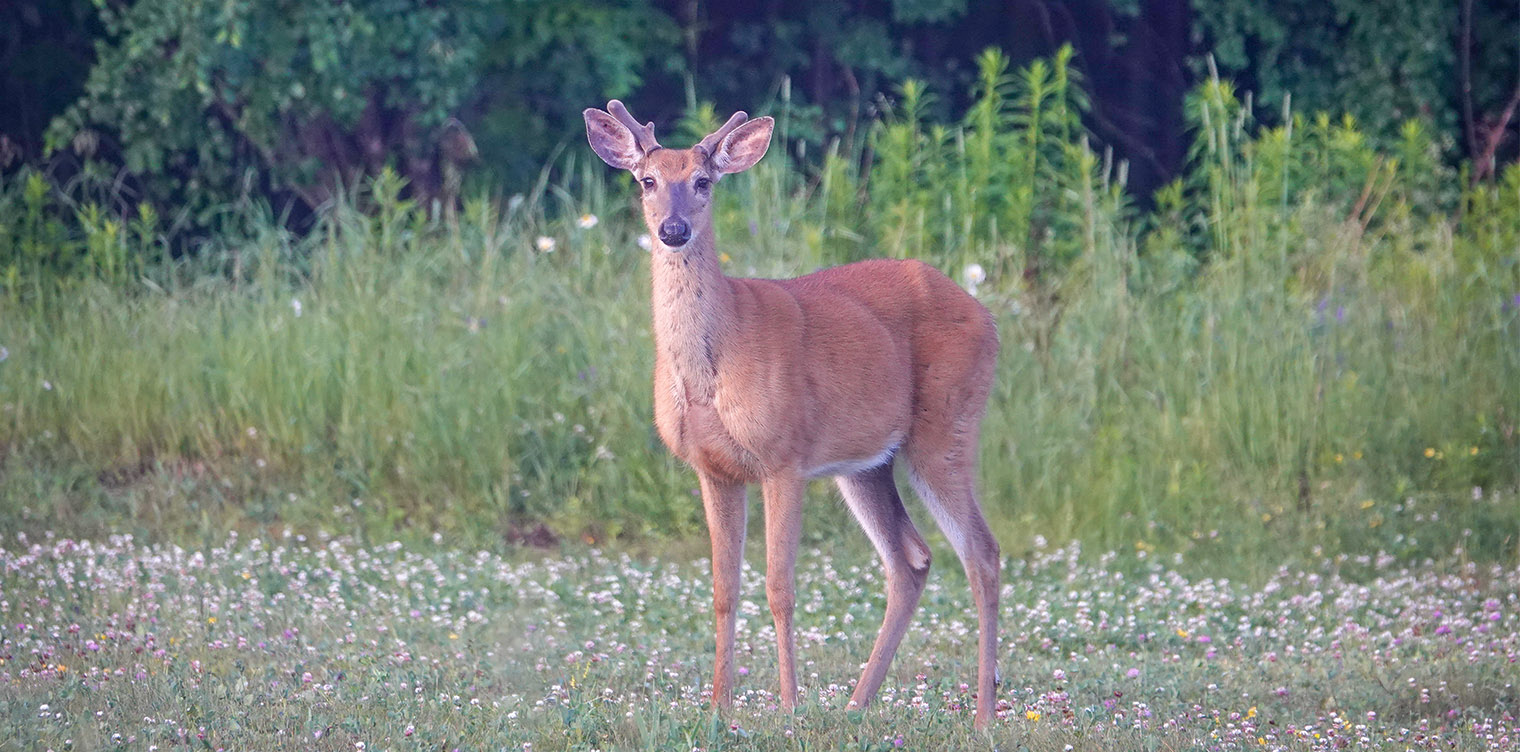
[837,373]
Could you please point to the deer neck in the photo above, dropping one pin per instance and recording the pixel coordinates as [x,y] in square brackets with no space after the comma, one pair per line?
[693,305]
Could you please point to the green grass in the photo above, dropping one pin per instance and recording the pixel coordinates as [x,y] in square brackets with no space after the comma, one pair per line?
[1299,349]
[308,644]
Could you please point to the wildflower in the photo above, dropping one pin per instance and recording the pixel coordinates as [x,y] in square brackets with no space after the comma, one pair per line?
[1473,451]
[47,386]
[645,242]
[1033,715]
[1183,633]
[1368,504]
[1430,452]
[586,221]
[4,353]
[545,244]
[1339,458]
[973,276]
[725,258]
[295,305]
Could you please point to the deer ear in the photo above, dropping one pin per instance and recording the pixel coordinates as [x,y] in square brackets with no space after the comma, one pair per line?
[611,140]
[741,149]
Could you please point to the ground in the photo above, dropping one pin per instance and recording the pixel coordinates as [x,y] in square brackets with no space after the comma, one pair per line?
[300,644]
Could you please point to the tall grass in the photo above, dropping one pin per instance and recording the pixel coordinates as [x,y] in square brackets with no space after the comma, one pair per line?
[1299,346]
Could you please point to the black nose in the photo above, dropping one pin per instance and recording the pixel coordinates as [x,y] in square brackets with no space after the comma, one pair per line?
[675,232]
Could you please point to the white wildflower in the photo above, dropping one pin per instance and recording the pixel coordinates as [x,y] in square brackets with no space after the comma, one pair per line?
[974,275]
[545,244]
[586,221]
[295,305]
[645,242]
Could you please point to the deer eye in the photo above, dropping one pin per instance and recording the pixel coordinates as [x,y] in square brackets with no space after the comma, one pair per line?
[703,184]
[648,183]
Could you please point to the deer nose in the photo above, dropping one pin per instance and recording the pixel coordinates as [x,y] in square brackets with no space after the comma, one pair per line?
[675,232]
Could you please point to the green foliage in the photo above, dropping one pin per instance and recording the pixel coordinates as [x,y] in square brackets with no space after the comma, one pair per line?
[1297,349]
[1382,62]
[204,103]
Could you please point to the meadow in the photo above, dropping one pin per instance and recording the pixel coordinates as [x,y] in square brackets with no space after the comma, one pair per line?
[327,644]
[1251,453]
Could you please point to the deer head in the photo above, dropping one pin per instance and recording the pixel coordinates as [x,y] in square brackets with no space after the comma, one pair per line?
[676,184]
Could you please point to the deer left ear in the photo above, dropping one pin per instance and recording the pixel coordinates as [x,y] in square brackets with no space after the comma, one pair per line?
[611,140]
[742,148]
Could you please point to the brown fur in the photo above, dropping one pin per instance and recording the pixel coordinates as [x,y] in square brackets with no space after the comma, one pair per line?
[834,373]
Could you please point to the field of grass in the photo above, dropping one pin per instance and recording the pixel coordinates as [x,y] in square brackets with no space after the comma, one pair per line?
[327,644]
[1286,399]
[1309,343]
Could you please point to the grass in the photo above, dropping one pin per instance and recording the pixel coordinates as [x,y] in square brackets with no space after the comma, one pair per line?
[328,644]
[1298,349]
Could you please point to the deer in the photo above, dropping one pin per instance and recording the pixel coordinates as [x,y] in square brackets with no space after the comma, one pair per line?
[838,373]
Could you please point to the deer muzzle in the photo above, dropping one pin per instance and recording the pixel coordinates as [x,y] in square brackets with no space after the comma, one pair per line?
[674,232]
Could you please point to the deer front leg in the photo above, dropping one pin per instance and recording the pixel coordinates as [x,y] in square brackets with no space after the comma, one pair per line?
[726,509]
[783,530]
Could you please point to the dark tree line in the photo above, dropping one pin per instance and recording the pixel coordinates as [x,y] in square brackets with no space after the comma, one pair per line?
[191,103]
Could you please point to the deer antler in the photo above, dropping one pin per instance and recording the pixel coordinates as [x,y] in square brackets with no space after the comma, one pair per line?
[710,144]
[643,135]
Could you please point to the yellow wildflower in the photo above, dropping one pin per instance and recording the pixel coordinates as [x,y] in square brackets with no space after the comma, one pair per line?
[1033,715]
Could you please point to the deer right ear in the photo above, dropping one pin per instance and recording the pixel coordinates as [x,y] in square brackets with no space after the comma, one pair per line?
[611,140]
[744,146]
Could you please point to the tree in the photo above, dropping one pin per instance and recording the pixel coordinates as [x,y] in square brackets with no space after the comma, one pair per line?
[202,102]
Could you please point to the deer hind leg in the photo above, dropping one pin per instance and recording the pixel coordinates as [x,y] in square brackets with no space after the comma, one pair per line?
[945,479]
[872,496]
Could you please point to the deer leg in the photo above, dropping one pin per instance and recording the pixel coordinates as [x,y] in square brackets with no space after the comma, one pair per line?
[872,496]
[948,492]
[783,529]
[726,506]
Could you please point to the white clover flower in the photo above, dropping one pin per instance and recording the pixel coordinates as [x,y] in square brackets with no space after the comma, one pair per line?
[295,305]
[974,275]
[645,242]
[586,221]
[545,244]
